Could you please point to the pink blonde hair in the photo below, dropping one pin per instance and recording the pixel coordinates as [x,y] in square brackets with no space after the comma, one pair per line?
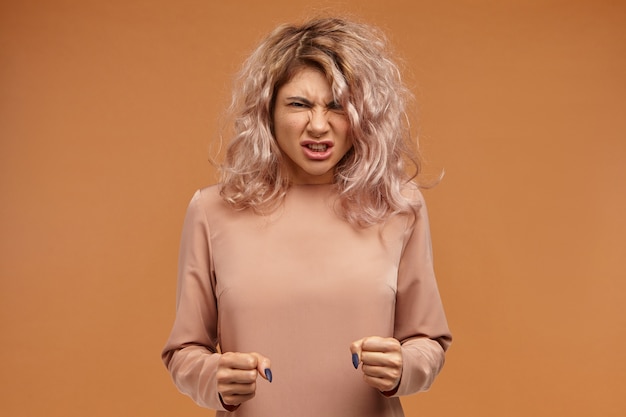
[371,178]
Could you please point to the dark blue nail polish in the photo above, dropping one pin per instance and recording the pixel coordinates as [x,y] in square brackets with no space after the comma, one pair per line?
[268,374]
[355,360]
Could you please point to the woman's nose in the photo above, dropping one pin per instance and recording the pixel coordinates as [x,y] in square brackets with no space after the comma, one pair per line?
[318,122]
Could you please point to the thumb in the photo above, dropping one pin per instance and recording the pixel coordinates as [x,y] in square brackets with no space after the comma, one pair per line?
[356,348]
[263,366]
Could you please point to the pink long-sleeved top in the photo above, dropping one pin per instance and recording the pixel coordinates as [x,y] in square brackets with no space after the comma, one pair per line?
[299,286]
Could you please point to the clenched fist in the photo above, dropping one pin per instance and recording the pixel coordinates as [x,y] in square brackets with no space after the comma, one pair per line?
[381,360]
[237,374]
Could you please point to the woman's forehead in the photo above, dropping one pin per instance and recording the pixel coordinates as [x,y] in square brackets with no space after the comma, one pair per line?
[308,82]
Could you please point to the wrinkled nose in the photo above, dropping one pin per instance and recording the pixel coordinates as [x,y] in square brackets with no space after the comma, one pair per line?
[318,123]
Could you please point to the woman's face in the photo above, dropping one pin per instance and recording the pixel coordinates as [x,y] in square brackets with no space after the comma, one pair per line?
[310,128]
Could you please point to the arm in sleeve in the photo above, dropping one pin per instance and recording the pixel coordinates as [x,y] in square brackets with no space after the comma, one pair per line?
[190,353]
[420,321]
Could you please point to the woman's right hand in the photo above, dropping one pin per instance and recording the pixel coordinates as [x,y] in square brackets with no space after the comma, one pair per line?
[237,374]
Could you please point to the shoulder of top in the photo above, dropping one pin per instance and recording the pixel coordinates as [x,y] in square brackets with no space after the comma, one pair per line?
[207,194]
[412,193]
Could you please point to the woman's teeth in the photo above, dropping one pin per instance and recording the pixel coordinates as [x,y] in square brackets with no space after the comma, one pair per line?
[317,147]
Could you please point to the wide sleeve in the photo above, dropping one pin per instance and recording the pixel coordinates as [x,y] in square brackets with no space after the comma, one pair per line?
[190,353]
[420,321]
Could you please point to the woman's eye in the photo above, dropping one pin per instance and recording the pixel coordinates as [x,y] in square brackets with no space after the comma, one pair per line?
[335,106]
[297,104]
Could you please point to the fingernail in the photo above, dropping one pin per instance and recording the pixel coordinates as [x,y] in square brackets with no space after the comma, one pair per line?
[355,360]
[268,374]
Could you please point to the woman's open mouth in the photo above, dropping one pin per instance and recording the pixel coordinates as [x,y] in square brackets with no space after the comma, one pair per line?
[317,147]
[317,150]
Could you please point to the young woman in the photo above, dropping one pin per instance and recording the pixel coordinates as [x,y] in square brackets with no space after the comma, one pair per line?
[306,283]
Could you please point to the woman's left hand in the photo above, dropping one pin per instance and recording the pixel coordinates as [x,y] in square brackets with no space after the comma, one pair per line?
[382,361]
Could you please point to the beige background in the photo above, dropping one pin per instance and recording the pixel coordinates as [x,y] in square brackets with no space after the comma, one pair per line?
[108,110]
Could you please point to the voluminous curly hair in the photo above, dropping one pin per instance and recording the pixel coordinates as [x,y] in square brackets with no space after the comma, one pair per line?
[365,81]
